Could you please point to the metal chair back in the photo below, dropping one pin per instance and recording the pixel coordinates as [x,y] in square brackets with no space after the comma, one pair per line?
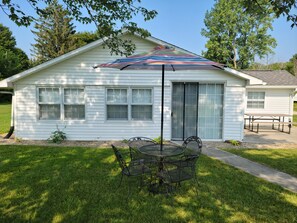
[135,143]
[193,145]
[120,160]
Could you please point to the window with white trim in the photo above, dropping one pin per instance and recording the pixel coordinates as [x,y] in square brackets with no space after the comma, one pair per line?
[129,104]
[49,103]
[141,106]
[74,104]
[117,104]
[256,100]
[52,107]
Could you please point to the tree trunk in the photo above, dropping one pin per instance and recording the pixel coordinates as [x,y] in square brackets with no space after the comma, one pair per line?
[234,58]
[295,67]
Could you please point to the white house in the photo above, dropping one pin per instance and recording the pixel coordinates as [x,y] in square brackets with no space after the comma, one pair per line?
[104,104]
[275,96]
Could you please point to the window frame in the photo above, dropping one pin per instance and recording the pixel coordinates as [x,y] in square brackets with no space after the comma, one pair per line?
[129,103]
[48,103]
[251,100]
[144,104]
[64,103]
[111,103]
[61,102]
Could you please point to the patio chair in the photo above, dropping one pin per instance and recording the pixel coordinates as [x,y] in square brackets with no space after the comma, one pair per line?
[193,146]
[178,171]
[135,143]
[131,169]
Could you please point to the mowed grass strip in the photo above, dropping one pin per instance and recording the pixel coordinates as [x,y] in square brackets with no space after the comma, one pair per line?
[5,115]
[281,159]
[60,184]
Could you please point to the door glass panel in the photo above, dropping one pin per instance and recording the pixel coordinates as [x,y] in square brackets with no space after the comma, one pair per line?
[210,111]
[177,110]
[190,121]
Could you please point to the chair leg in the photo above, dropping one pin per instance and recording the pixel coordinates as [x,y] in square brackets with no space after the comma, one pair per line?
[196,184]
[120,181]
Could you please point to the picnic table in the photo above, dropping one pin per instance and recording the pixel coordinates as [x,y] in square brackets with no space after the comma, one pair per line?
[268,118]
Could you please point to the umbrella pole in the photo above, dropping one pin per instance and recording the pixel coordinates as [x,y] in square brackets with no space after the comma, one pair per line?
[162,106]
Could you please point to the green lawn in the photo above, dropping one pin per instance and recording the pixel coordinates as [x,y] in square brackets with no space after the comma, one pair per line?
[5,114]
[282,159]
[58,184]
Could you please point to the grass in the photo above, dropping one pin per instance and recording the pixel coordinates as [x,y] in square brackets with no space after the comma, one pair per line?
[5,114]
[282,159]
[59,184]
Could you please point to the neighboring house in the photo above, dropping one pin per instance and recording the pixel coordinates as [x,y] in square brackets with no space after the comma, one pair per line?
[106,104]
[275,96]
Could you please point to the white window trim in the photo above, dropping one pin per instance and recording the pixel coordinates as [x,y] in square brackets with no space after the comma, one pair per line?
[61,103]
[256,100]
[47,103]
[64,103]
[129,103]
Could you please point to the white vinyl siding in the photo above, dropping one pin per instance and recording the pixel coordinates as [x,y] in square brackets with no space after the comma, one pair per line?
[256,100]
[233,113]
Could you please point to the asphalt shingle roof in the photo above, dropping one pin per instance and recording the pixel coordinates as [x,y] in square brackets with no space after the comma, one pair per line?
[273,77]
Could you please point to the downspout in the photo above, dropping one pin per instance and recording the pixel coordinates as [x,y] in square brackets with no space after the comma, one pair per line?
[12,114]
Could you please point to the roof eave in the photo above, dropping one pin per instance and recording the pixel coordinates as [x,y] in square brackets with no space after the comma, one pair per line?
[52,62]
[273,86]
[252,80]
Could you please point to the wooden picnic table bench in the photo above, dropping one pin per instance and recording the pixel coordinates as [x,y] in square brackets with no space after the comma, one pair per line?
[280,125]
[273,119]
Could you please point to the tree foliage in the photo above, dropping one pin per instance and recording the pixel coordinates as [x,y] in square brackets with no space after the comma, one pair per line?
[111,17]
[290,66]
[234,36]
[54,33]
[12,59]
[83,38]
[277,7]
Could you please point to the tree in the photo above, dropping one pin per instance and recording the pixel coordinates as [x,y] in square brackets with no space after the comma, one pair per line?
[291,66]
[55,33]
[111,17]
[277,7]
[12,59]
[236,37]
[83,38]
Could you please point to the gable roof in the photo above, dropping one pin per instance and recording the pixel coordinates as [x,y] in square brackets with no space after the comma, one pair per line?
[8,82]
[273,77]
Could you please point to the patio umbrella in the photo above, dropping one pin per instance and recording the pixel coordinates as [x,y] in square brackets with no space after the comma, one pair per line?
[162,58]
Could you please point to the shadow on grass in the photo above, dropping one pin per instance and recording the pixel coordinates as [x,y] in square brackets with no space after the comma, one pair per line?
[50,184]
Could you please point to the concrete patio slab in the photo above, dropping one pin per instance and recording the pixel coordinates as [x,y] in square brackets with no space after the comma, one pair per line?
[267,135]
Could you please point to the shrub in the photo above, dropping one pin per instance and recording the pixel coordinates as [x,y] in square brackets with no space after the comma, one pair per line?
[57,136]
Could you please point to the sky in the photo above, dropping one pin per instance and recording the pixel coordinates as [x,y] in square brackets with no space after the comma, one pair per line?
[179,23]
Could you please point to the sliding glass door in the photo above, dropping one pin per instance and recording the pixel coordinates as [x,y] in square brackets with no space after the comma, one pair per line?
[197,109]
